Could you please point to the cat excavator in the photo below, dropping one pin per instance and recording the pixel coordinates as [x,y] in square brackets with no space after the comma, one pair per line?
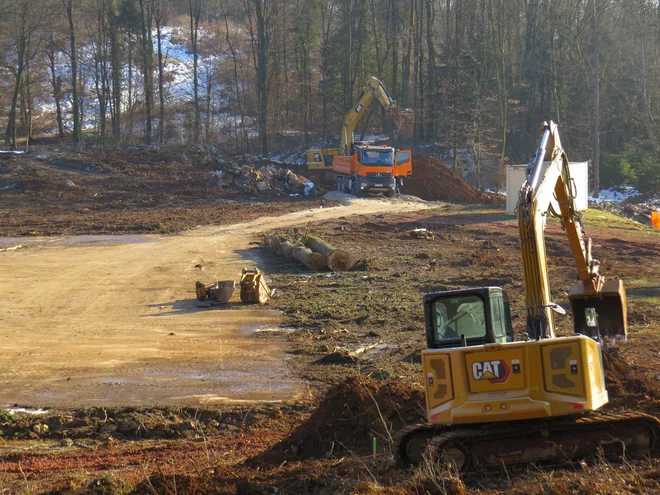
[492,400]
[361,167]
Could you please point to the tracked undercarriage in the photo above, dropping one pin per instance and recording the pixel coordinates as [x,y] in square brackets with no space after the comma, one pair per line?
[552,440]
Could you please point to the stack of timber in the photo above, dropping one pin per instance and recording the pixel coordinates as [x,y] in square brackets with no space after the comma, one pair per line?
[313,252]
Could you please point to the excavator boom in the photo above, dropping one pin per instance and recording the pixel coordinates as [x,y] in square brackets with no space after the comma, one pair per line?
[548,177]
[374,89]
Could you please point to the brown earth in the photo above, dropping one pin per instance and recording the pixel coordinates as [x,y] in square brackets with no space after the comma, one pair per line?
[432,180]
[132,191]
[319,442]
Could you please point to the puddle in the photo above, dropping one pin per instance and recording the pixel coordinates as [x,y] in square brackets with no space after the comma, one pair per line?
[115,381]
[81,240]
[26,410]
[267,328]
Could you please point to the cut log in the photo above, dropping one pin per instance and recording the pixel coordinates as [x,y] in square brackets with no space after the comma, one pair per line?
[286,248]
[274,241]
[312,260]
[339,260]
[302,254]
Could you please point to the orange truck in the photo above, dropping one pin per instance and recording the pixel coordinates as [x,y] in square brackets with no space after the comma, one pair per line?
[361,167]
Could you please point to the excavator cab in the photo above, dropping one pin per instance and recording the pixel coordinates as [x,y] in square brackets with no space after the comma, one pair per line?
[467,317]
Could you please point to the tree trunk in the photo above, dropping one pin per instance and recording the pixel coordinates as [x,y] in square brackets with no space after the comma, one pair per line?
[115,55]
[313,261]
[77,136]
[10,137]
[262,74]
[161,85]
[346,75]
[237,87]
[338,260]
[596,154]
[195,14]
[146,20]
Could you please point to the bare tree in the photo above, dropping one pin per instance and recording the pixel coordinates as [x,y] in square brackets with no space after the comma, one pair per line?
[26,19]
[53,48]
[76,135]
[195,13]
[146,37]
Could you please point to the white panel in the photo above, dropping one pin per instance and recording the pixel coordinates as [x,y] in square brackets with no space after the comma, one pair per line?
[515,176]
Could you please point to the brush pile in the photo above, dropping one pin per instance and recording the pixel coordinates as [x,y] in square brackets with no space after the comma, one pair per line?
[267,178]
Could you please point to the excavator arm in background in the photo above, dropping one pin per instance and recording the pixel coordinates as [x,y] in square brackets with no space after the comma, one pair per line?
[599,307]
[374,89]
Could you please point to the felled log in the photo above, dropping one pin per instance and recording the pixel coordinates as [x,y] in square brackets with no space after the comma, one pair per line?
[273,241]
[286,248]
[302,254]
[339,260]
[312,260]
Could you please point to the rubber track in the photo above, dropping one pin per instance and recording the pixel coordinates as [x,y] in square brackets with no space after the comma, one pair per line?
[435,436]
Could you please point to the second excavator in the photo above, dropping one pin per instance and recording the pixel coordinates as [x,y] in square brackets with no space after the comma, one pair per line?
[492,400]
[361,167]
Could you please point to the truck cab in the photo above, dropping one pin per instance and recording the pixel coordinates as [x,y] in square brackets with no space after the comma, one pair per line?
[372,169]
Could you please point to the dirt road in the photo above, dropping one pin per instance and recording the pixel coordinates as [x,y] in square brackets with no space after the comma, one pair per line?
[112,321]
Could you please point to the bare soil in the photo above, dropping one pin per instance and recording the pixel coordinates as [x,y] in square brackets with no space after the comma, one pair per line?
[432,180]
[86,327]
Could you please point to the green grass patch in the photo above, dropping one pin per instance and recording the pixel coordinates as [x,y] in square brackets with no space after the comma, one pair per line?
[604,219]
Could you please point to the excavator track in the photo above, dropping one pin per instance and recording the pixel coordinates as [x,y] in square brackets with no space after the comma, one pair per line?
[552,440]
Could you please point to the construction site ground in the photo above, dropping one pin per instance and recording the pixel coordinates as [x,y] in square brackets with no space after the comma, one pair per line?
[144,391]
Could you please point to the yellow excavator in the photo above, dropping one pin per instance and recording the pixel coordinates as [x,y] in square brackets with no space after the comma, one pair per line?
[359,166]
[532,400]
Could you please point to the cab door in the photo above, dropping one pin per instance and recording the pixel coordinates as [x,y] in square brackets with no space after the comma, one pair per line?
[403,164]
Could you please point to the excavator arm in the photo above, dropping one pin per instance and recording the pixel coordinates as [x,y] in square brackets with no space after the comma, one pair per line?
[591,298]
[374,89]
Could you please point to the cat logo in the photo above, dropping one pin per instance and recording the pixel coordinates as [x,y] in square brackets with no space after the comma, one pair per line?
[493,371]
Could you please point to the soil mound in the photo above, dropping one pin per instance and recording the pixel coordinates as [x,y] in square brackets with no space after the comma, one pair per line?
[349,417]
[626,387]
[432,180]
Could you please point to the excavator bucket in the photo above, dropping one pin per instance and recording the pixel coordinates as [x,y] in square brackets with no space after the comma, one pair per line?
[254,288]
[602,314]
[404,119]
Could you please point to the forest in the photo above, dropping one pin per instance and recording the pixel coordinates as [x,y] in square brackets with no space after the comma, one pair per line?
[481,75]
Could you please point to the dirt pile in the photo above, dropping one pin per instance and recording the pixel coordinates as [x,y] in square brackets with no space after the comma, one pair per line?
[627,388]
[349,417]
[432,180]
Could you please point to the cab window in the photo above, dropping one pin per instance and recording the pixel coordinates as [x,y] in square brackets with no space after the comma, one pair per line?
[402,157]
[458,317]
[498,316]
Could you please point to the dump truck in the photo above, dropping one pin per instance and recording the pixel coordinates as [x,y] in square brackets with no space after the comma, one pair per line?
[362,167]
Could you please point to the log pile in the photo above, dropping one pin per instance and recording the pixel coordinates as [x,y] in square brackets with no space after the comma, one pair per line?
[313,252]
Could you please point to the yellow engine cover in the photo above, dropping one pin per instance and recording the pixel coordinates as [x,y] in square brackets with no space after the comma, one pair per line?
[512,381]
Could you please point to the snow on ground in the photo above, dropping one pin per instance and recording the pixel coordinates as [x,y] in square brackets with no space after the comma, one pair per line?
[617,194]
[178,68]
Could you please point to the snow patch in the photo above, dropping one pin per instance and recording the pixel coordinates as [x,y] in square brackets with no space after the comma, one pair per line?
[617,194]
